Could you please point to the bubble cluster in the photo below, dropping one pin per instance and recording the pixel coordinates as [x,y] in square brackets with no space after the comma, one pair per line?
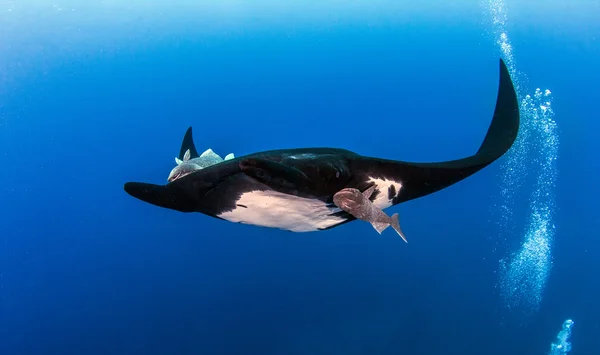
[528,168]
[562,345]
[524,276]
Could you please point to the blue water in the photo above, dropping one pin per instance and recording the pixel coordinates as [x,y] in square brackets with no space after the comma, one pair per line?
[94,95]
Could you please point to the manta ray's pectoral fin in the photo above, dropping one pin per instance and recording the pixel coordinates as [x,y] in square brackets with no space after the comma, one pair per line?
[187,144]
[168,196]
[279,177]
[421,179]
[229,156]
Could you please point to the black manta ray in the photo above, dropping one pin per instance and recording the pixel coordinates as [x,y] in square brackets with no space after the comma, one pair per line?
[293,189]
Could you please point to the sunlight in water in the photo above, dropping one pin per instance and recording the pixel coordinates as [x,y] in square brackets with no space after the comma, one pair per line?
[532,159]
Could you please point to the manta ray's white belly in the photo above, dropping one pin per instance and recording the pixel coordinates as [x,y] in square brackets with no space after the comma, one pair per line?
[277,210]
[297,214]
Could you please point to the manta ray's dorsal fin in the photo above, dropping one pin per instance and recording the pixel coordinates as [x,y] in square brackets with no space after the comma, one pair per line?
[229,156]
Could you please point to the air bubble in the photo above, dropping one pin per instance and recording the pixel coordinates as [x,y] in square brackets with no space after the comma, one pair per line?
[534,154]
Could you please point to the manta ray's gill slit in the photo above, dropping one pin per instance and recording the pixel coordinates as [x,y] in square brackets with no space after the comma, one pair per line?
[523,274]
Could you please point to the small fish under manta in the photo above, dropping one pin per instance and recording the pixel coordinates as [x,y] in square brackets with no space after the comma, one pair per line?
[189,161]
[358,205]
[294,189]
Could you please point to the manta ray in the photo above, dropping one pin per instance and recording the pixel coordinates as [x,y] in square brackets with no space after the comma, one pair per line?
[293,189]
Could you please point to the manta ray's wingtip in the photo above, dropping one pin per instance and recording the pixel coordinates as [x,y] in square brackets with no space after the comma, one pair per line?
[188,144]
[504,127]
[140,190]
[167,196]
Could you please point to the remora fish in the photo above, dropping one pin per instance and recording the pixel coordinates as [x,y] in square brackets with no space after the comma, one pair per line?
[358,205]
[189,161]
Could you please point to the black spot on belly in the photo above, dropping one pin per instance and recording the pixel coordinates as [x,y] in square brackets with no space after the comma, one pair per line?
[392,192]
[241,205]
[341,214]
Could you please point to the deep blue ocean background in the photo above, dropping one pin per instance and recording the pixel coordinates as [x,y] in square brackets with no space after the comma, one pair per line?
[96,94]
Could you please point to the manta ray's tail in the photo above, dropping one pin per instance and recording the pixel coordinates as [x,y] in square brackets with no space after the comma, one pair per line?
[188,144]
